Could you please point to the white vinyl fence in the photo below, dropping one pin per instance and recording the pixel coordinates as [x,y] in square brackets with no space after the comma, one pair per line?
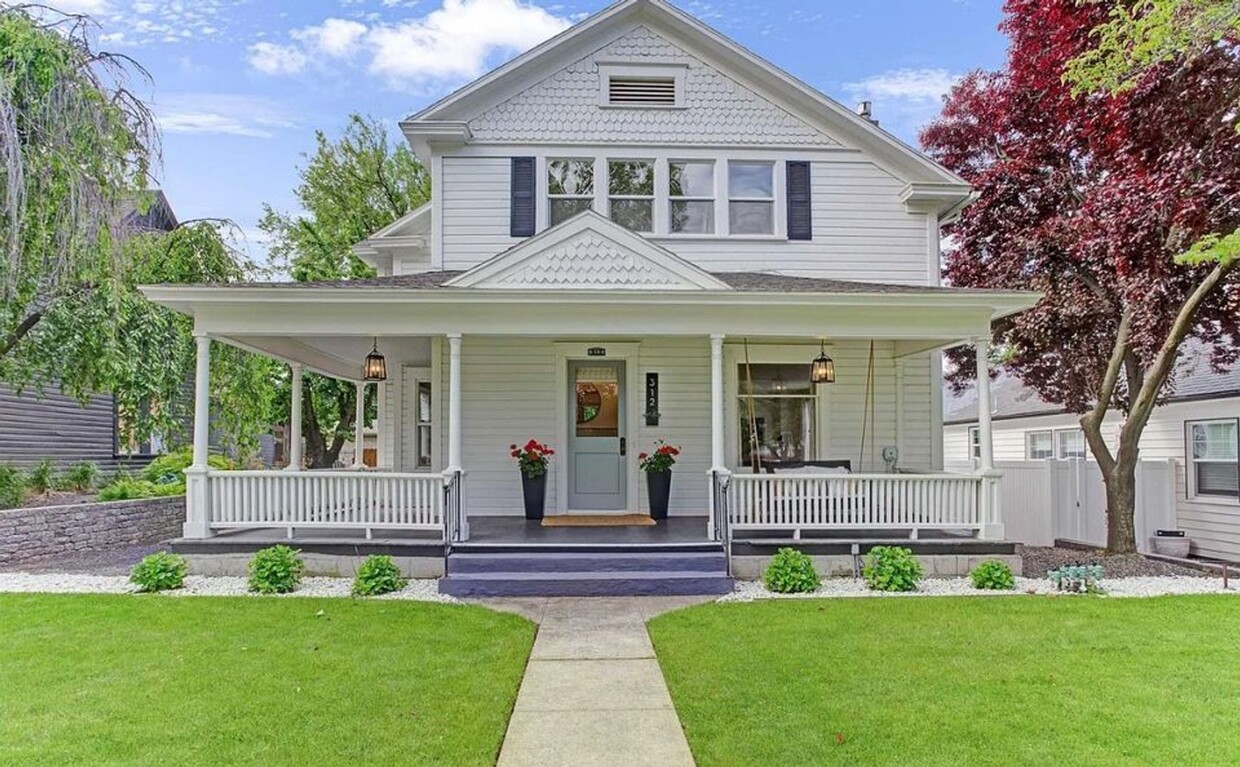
[1046,500]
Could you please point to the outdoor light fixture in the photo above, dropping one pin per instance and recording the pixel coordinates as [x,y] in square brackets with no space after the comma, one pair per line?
[375,367]
[822,369]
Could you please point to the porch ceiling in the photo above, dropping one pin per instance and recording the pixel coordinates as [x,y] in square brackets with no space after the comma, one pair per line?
[334,355]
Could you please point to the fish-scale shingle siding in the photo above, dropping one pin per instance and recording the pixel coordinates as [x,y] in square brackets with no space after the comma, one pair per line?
[717,109]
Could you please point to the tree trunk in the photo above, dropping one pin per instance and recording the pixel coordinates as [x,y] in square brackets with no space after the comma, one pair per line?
[319,454]
[1121,487]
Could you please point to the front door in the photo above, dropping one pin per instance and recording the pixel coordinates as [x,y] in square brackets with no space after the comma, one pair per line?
[596,440]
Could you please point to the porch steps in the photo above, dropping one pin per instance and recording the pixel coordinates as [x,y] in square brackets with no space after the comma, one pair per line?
[584,574]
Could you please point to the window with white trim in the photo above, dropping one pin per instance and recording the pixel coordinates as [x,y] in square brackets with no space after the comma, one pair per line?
[975,443]
[691,197]
[778,421]
[570,188]
[1070,445]
[630,193]
[751,197]
[1040,445]
[1213,458]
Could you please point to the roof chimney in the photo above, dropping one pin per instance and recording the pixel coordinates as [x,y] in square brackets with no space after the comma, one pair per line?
[865,109]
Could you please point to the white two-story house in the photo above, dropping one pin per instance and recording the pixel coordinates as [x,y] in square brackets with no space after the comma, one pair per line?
[639,231]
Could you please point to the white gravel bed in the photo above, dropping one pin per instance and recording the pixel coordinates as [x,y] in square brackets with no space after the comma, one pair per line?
[1149,586]
[418,590]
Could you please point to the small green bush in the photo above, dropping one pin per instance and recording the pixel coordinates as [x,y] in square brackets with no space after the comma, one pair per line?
[125,488]
[42,476]
[891,568]
[170,469]
[993,575]
[12,487]
[159,572]
[791,572]
[81,477]
[377,575]
[276,570]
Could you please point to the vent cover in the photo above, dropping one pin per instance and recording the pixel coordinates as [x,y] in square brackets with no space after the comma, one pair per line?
[625,90]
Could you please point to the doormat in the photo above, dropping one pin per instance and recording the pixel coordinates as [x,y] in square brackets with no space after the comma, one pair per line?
[599,520]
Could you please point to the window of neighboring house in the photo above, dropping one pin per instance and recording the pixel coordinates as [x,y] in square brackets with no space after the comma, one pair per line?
[975,443]
[123,441]
[1040,445]
[751,198]
[630,193]
[570,188]
[422,451]
[780,427]
[691,193]
[1214,458]
[1070,445]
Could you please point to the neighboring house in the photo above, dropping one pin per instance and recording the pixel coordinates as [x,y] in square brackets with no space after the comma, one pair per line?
[55,426]
[638,231]
[1198,427]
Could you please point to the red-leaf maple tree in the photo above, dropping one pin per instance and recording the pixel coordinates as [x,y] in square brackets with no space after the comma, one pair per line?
[1094,200]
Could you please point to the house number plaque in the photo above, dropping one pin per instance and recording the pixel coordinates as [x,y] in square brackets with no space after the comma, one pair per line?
[597,351]
[652,399]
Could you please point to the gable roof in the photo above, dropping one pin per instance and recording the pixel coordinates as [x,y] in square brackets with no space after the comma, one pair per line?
[451,113]
[589,252]
[1195,379]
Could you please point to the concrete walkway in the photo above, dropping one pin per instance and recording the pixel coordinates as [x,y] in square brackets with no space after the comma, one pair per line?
[593,693]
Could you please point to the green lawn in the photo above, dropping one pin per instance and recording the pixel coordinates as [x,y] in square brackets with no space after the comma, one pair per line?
[956,681]
[150,680]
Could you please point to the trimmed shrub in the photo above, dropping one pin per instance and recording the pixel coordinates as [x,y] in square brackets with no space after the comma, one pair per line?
[42,476]
[128,488]
[12,487]
[377,575]
[791,572]
[993,575]
[276,570]
[891,568]
[170,469]
[81,477]
[159,572]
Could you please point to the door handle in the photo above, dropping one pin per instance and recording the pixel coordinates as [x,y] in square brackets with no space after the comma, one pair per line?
[623,446]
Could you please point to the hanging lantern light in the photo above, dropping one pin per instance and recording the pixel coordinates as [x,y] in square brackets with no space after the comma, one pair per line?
[822,369]
[375,367]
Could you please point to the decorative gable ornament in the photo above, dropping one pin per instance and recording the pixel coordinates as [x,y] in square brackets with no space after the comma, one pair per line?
[587,252]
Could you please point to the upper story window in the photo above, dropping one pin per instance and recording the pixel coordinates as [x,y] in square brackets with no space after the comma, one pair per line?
[1214,458]
[751,197]
[641,86]
[691,196]
[570,188]
[630,193]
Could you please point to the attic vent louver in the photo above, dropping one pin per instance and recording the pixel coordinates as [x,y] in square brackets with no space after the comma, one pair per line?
[641,91]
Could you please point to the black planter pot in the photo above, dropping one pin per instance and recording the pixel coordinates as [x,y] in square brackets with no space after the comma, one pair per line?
[534,492]
[659,483]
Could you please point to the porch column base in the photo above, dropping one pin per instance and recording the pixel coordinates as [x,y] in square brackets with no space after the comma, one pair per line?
[991,533]
[197,504]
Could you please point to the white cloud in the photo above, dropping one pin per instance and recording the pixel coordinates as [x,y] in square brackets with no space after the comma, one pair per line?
[88,7]
[273,59]
[904,99]
[220,113]
[453,42]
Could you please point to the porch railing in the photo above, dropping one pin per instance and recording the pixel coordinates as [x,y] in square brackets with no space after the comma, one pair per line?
[337,499]
[861,501]
[720,509]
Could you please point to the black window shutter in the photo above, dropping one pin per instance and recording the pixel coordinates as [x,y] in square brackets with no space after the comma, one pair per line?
[523,197]
[800,204]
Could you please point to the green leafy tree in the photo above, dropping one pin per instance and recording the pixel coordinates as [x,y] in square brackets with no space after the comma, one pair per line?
[351,187]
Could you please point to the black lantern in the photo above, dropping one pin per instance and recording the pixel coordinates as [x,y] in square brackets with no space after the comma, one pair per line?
[822,369]
[375,367]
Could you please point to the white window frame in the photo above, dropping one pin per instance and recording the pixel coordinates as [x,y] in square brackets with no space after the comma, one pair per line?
[669,199]
[1059,451]
[975,443]
[653,197]
[811,447]
[657,71]
[592,196]
[1029,435]
[1190,470]
[773,200]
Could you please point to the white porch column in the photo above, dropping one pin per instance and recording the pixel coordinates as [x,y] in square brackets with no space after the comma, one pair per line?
[718,460]
[359,426]
[294,418]
[992,517]
[382,458]
[454,402]
[197,498]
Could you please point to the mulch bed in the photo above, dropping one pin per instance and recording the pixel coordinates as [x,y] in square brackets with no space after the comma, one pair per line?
[1039,559]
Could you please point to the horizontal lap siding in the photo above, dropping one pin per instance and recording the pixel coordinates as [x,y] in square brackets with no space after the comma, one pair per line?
[915,452]
[683,366]
[56,427]
[846,405]
[475,210]
[1213,526]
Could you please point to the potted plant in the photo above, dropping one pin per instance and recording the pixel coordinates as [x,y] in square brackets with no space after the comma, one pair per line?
[658,467]
[532,459]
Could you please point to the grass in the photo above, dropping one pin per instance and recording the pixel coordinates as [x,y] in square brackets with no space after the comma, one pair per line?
[945,681]
[149,680]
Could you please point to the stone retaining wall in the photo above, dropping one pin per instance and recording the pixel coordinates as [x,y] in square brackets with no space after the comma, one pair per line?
[32,534]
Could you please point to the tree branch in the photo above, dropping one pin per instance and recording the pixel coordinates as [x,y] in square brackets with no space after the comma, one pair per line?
[1091,422]
[20,332]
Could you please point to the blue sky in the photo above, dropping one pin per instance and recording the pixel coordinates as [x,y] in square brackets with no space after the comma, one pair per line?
[239,86]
